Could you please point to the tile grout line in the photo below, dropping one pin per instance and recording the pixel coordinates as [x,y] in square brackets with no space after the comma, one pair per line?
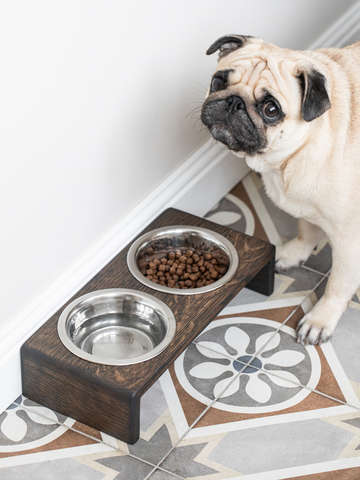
[237,376]
[305,267]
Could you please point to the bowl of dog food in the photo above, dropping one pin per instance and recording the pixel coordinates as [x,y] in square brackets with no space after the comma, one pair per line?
[116,326]
[182,260]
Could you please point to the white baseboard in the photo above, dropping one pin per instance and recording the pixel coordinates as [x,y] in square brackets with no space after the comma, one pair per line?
[195,187]
[342,31]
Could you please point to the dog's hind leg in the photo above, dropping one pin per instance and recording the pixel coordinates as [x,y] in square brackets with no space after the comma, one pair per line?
[297,251]
[318,325]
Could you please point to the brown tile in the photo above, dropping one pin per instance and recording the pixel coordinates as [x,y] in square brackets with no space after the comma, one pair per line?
[68,439]
[240,192]
[346,474]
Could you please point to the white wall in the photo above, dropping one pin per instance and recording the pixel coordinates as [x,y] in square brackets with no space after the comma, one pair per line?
[93,100]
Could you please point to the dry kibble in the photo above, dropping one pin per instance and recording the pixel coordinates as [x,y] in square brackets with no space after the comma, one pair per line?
[214,274]
[183,267]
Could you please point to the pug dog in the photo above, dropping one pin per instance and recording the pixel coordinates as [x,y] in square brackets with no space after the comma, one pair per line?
[295,116]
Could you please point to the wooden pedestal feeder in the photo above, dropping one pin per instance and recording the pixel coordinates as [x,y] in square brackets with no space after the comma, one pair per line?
[95,358]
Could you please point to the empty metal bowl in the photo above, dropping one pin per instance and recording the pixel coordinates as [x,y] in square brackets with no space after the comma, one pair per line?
[116,326]
[179,236]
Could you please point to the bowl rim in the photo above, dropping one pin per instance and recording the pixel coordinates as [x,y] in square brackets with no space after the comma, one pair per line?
[160,232]
[149,300]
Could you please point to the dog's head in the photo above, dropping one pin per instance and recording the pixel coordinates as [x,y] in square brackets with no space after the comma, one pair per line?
[262,98]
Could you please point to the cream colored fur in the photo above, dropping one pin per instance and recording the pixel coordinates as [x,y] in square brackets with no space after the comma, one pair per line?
[310,169]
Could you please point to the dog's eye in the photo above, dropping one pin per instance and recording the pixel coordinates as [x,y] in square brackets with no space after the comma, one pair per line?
[217,84]
[271,110]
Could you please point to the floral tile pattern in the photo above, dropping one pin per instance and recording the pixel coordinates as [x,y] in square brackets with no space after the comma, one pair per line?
[244,400]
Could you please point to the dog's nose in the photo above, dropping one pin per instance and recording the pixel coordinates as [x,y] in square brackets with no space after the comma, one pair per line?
[234,103]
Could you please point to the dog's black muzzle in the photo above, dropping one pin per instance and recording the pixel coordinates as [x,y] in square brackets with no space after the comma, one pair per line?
[229,123]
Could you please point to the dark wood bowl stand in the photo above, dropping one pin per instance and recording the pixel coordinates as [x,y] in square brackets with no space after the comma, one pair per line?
[106,397]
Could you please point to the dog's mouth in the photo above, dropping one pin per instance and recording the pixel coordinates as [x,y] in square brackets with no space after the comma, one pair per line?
[229,123]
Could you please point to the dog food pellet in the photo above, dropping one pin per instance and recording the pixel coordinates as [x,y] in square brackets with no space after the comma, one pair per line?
[184,267]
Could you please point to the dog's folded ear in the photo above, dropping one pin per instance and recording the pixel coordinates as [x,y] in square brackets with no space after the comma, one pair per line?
[227,44]
[315,98]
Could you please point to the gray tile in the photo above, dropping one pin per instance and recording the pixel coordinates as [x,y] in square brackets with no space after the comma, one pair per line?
[155,449]
[128,468]
[303,280]
[247,297]
[182,462]
[345,342]
[273,447]
[153,405]
[54,470]
[321,260]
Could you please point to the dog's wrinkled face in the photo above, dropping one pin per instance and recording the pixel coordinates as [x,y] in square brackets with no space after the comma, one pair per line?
[262,98]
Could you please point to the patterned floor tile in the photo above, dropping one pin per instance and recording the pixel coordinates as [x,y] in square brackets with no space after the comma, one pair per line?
[244,400]
[278,446]
[202,372]
[28,428]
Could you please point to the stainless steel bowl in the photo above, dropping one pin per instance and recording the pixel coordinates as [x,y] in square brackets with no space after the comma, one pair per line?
[116,326]
[180,234]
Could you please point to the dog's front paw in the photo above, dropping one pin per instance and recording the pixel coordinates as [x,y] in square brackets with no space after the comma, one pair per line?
[290,255]
[313,330]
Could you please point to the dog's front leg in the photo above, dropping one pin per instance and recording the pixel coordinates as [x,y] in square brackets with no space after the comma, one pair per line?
[297,251]
[319,324]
